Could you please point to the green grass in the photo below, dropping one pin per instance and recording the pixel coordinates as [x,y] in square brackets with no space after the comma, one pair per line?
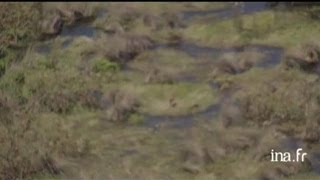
[273,28]
[108,144]
[169,62]
[104,65]
[155,98]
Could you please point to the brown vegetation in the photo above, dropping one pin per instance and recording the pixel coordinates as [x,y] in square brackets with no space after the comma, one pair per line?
[122,48]
[305,57]
[122,105]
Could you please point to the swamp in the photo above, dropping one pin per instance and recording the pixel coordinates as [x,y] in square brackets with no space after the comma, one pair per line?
[159,90]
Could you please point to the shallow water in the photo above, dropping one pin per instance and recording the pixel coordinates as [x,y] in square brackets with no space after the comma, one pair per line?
[85,29]
[292,144]
[184,121]
[195,50]
[272,54]
[272,58]
[67,42]
[43,49]
[245,8]
[78,30]
[315,162]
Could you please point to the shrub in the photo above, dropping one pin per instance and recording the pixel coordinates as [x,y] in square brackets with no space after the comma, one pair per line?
[58,102]
[123,106]
[22,153]
[2,67]
[283,101]
[104,65]
[304,57]
[19,24]
[31,142]
[92,98]
[123,48]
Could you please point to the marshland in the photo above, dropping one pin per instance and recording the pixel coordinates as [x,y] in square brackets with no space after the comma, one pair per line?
[159,90]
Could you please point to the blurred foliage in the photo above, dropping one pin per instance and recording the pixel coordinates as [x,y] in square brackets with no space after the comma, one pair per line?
[311,9]
[19,25]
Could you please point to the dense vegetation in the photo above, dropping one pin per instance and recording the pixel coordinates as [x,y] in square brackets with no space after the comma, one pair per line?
[151,95]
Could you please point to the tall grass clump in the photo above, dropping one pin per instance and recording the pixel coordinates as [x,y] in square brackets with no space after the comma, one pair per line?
[19,25]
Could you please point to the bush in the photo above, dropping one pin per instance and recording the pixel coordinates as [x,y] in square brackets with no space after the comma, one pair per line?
[285,99]
[124,106]
[58,102]
[31,142]
[19,24]
[2,67]
[263,105]
[92,99]
[304,57]
[104,65]
[22,152]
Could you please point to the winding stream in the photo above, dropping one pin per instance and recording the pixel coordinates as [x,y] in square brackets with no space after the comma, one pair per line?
[272,55]
[272,58]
